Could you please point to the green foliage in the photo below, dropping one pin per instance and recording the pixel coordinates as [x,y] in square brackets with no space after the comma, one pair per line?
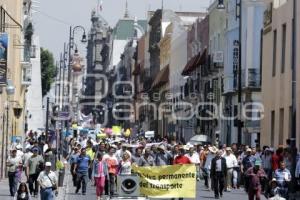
[48,70]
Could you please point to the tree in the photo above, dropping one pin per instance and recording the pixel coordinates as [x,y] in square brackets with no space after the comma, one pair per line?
[48,70]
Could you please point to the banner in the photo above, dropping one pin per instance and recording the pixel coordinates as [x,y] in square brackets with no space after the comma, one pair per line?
[3,57]
[171,181]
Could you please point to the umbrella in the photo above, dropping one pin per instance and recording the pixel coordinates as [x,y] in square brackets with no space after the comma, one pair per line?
[198,139]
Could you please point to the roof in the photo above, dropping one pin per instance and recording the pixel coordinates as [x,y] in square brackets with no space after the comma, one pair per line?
[125,28]
[161,78]
[194,62]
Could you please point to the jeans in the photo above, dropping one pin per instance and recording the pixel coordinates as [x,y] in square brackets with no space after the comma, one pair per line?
[74,175]
[33,184]
[13,182]
[47,194]
[82,177]
[112,183]
[206,176]
[235,178]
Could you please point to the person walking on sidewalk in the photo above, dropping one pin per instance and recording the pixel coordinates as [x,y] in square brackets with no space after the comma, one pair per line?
[100,173]
[13,164]
[22,193]
[72,159]
[218,173]
[81,169]
[34,167]
[48,182]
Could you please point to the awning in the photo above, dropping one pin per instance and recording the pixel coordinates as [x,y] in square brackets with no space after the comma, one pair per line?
[161,78]
[137,70]
[195,62]
[189,65]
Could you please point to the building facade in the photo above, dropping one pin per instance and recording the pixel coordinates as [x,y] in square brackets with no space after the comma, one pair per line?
[277,73]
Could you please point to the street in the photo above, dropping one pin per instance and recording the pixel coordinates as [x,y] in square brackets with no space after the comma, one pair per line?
[201,193]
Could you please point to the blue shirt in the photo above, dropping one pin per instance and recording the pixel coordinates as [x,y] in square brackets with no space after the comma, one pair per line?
[73,158]
[82,163]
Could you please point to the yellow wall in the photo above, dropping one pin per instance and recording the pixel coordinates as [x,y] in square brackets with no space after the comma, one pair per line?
[276,91]
[14,8]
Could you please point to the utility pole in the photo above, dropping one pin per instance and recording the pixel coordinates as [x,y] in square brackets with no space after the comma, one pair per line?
[47,119]
[240,124]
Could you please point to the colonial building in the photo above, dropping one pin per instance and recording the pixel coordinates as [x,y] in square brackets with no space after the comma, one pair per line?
[98,61]
[277,73]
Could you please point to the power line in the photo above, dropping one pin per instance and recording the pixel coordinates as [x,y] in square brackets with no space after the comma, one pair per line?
[53,18]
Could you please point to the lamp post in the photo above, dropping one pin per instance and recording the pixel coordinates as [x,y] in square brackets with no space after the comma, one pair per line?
[71,46]
[240,123]
[10,90]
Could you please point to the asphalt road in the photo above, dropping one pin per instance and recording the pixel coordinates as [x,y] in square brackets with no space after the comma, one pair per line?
[202,193]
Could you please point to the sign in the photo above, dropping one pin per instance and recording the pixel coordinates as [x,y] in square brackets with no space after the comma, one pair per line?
[218,57]
[3,57]
[116,130]
[14,139]
[268,19]
[149,134]
[170,181]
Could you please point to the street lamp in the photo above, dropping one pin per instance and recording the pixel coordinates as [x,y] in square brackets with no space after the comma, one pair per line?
[240,123]
[10,90]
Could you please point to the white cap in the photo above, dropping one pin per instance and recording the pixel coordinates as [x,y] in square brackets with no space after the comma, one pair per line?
[48,164]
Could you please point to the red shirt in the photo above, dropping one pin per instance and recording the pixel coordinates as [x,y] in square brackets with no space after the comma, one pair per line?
[181,160]
[276,159]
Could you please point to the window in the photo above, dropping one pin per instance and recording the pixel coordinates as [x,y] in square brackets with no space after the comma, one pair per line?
[283,48]
[281,126]
[272,127]
[274,52]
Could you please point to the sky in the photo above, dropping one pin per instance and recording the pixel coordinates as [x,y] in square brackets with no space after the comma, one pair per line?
[52,18]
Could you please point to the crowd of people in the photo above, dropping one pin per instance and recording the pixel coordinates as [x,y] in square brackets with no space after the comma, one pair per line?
[258,171]
[30,167]
[222,169]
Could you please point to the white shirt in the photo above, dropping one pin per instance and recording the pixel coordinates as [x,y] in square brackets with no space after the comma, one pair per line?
[44,180]
[14,162]
[231,161]
[195,159]
[219,165]
[20,154]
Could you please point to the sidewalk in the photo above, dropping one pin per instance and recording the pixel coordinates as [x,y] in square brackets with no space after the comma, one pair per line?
[4,189]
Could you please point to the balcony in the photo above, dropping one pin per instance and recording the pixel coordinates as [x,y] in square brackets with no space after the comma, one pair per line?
[228,84]
[251,79]
[26,73]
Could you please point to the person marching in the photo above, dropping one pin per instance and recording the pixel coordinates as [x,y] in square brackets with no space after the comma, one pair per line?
[48,182]
[218,173]
[100,174]
[256,177]
[13,163]
[81,169]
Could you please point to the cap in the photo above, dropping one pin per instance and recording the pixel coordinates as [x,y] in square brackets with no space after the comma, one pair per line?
[257,163]
[48,164]
[35,149]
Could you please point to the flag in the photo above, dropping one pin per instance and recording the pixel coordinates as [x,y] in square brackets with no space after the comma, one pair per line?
[101,5]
